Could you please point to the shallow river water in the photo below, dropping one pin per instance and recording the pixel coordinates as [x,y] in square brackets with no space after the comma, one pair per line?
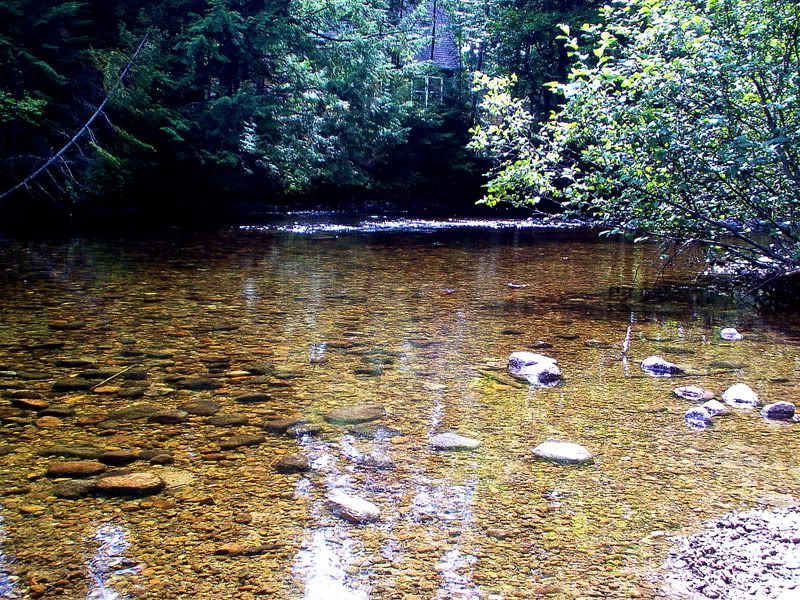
[420,323]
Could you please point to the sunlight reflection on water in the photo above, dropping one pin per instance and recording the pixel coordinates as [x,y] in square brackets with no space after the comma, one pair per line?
[375,224]
[106,560]
[8,588]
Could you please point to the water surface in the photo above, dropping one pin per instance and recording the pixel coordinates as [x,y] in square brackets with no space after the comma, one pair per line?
[420,322]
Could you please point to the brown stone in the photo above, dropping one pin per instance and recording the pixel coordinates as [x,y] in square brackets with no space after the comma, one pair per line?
[293,463]
[76,468]
[130,484]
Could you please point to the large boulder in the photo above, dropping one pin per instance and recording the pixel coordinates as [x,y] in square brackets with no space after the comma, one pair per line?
[740,396]
[453,441]
[778,411]
[563,453]
[352,508]
[536,369]
[659,367]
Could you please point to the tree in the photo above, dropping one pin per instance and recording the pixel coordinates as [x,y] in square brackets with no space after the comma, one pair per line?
[680,122]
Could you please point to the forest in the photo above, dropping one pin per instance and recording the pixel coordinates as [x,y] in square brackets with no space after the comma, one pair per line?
[272,101]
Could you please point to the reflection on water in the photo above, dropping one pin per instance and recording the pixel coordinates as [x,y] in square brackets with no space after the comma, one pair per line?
[421,322]
[323,562]
[109,560]
[8,586]
[381,224]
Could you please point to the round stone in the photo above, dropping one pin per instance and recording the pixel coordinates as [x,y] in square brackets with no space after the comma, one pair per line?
[778,411]
[352,508]
[293,463]
[740,396]
[730,334]
[659,367]
[564,453]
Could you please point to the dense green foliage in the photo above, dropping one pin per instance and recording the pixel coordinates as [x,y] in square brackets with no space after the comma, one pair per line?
[259,98]
[681,122]
[226,95]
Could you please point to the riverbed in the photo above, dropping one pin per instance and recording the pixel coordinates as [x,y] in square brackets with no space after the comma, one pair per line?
[211,360]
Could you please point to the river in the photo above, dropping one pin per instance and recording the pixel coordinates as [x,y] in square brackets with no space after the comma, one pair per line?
[260,324]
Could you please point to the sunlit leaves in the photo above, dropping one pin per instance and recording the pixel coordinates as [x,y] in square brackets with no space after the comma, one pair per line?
[680,120]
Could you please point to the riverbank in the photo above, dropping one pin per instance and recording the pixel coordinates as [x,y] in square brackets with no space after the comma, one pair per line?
[742,555]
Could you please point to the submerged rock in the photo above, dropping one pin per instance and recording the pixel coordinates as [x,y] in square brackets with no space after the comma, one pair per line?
[281,425]
[698,417]
[292,463]
[536,369]
[229,420]
[202,408]
[130,484]
[716,408]
[778,411]
[355,414]
[659,367]
[740,396]
[73,489]
[730,334]
[693,393]
[88,452]
[118,457]
[134,412]
[78,468]
[453,441]
[198,384]
[238,441]
[564,453]
[253,398]
[72,385]
[352,508]
[169,416]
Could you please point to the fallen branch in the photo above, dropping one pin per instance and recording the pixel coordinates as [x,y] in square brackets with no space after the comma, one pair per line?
[82,130]
[114,376]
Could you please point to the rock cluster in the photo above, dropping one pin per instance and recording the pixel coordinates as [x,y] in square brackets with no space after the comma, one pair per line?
[753,554]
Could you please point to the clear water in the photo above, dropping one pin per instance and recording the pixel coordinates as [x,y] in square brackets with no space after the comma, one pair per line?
[422,323]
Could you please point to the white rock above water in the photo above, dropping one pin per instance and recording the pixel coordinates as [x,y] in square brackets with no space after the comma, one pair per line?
[740,396]
[536,369]
[564,453]
[730,334]
[698,417]
[715,407]
[659,367]
[453,441]
[352,508]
